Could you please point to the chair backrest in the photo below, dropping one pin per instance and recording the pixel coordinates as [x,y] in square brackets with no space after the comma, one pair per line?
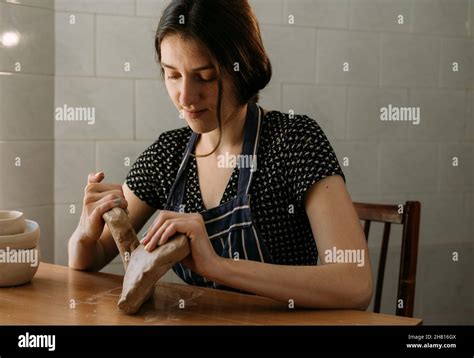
[407,215]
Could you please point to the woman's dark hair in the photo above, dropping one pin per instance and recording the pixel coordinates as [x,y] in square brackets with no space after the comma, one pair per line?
[228,30]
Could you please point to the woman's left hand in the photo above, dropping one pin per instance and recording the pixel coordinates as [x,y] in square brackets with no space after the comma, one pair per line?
[203,257]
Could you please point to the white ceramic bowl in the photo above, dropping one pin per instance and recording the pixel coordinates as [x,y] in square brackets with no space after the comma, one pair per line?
[22,271]
[26,240]
[11,222]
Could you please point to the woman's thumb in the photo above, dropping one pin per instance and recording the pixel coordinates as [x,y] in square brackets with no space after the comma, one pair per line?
[95,177]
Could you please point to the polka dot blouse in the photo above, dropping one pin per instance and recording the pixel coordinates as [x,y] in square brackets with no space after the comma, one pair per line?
[293,154]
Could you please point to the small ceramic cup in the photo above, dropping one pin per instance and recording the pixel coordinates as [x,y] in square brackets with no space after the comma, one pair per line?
[20,267]
[26,240]
[19,255]
[11,222]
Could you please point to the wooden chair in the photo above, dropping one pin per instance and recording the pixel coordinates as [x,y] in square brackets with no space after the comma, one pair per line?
[410,219]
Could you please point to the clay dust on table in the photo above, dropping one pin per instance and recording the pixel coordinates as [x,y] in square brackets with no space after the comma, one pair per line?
[92,300]
[166,302]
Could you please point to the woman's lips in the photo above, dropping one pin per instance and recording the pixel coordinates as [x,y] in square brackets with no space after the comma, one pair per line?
[196,114]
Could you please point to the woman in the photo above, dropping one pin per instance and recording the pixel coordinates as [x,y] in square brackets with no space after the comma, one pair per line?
[255,224]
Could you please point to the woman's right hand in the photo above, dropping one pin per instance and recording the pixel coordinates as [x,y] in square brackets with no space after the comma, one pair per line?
[98,199]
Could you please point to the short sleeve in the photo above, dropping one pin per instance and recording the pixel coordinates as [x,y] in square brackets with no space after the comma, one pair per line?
[145,177]
[310,156]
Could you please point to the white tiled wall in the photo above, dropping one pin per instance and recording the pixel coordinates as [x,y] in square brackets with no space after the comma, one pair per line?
[330,102]
[363,114]
[113,102]
[26,109]
[35,50]
[403,64]
[359,50]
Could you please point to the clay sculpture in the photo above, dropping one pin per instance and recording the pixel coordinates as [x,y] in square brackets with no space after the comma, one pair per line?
[142,268]
[122,231]
[146,268]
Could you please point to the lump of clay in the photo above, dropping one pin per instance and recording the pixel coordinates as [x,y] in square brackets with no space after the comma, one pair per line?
[122,231]
[146,268]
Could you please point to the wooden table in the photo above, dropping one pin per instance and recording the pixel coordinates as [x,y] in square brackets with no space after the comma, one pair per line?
[59,295]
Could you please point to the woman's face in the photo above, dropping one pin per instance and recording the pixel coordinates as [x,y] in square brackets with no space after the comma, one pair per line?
[191,82]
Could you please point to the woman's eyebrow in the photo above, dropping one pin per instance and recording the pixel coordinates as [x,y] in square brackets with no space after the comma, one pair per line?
[205,67]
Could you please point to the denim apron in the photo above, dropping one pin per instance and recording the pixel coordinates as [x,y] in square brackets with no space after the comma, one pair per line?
[229,226]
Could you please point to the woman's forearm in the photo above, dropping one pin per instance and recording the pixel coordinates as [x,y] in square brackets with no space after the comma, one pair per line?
[340,285]
[84,254]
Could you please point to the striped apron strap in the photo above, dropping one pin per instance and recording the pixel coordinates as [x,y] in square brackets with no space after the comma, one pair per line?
[176,193]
